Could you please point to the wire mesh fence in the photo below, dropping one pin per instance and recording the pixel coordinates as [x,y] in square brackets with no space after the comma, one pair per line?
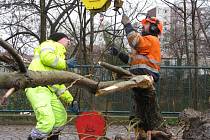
[174,91]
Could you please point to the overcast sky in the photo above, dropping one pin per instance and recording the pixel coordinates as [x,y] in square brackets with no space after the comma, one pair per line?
[141,6]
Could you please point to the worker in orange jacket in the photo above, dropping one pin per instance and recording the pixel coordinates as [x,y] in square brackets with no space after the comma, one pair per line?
[144,59]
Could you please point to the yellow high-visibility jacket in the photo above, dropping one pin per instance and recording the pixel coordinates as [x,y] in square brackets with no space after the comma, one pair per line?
[49,56]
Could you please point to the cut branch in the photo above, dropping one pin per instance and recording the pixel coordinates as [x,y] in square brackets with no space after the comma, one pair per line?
[6,95]
[6,59]
[142,81]
[14,54]
[115,69]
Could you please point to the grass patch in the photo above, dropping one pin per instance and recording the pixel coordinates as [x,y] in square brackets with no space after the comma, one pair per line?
[171,121]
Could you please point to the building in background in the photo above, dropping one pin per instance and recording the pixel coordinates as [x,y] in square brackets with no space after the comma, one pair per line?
[163,13]
[173,38]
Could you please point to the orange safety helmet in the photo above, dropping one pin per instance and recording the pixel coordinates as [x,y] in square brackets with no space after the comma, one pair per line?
[153,20]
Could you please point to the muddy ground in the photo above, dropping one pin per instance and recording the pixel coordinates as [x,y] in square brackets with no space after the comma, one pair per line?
[20,132]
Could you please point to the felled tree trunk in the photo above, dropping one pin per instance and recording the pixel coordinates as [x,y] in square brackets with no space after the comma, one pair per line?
[196,124]
[33,79]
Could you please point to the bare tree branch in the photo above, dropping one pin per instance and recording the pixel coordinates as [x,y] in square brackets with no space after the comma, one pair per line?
[14,54]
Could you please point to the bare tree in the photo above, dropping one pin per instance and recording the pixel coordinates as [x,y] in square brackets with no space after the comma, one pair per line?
[188,14]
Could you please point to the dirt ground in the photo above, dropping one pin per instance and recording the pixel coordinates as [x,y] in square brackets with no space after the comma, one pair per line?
[20,132]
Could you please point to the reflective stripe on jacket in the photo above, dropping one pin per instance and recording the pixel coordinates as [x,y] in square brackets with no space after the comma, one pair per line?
[147,52]
[49,56]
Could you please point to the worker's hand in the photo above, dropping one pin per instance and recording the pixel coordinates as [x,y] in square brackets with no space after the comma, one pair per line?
[113,51]
[66,97]
[125,20]
[71,62]
[75,107]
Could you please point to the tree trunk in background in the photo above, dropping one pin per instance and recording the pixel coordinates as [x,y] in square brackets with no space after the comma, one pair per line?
[187,44]
[82,37]
[185,34]
[195,45]
[203,28]
[43,21]
[91,54]
[92,31]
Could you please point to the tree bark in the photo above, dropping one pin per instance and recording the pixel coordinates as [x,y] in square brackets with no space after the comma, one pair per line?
[43,23]
[33,79]
[185,33]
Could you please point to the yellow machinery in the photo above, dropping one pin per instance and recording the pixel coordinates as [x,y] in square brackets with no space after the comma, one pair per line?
[96,6]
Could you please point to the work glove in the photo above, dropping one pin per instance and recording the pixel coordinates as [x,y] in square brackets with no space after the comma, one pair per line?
[75,107]
[71,62]
[113,51]
[66,97]
[125,20]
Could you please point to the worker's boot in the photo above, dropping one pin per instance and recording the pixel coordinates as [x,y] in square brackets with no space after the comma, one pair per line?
[30,138]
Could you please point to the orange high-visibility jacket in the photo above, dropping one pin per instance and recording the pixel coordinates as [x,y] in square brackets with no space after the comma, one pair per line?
[147,51]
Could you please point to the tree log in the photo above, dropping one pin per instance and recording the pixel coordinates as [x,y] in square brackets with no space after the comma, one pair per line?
[33,79]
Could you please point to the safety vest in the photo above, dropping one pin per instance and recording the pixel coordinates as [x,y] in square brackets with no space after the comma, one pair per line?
[147,53]
[49,56]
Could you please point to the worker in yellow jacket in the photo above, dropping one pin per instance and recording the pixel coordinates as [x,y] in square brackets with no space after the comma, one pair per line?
[50,113]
